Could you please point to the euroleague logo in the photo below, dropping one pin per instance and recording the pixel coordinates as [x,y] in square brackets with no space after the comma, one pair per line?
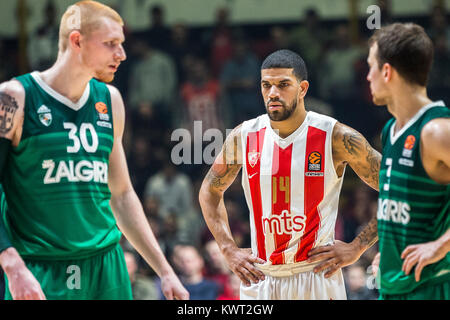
[314,161]
[101,108]
[314,165]
[408,146]
[409,142]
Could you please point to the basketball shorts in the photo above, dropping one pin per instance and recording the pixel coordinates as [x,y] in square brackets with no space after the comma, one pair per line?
[100,277]
[438,291]
[300,286]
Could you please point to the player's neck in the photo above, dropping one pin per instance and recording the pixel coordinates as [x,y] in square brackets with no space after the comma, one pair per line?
[406,103]
[67,78]
[287,127]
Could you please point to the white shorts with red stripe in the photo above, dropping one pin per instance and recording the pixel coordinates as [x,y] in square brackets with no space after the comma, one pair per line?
[305,285]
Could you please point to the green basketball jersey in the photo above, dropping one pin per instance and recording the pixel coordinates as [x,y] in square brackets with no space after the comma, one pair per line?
[412,208]
[56,179]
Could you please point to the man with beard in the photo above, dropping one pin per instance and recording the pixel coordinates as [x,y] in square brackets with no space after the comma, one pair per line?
[65,176]
[293,162]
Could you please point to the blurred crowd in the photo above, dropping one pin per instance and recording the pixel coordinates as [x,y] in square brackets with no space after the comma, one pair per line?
[177,74]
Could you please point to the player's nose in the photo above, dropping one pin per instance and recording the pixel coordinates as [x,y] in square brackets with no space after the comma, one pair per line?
[273,92]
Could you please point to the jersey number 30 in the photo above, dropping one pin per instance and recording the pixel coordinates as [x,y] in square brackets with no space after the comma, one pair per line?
[89,146]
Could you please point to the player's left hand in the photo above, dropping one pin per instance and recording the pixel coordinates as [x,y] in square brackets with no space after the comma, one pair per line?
[421,254]
[335,256]
[173,289]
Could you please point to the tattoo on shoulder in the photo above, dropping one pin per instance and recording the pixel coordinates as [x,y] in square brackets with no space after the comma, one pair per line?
[8,108]
[352,142]
[226,167]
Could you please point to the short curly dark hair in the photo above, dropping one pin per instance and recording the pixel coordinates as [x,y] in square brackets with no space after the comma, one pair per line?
[286,59]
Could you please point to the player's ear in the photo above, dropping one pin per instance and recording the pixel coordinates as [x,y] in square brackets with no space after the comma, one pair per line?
[304,85]
[386,72]
[75,40]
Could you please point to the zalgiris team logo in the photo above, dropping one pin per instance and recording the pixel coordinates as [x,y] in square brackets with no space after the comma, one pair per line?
[45,115]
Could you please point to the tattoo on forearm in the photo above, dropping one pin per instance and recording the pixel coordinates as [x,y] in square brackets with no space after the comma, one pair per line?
[369,235]
[373,159]
[8,108]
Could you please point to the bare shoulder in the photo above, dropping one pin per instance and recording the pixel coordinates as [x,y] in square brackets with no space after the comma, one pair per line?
[227,164]
[118,109]
[435,133]
[12,101]
[435,148]
[116,98]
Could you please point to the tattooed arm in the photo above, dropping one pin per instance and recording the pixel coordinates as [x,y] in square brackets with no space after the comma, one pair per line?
[22,283]
[350,147]
[220,176]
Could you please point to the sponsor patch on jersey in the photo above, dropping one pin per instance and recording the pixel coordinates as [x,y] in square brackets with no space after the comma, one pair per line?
[104,124]
[315,161]
[406,162]
[253,158]
[408,146]
[45,115]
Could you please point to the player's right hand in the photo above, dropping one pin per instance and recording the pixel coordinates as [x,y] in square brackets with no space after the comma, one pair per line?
[24,286]
[376,264]
[241,262]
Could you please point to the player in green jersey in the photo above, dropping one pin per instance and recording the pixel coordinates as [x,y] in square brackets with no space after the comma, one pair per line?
[414,200]
[65,176]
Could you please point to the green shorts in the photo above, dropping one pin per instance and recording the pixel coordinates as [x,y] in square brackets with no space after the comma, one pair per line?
[438,291]
[100,277]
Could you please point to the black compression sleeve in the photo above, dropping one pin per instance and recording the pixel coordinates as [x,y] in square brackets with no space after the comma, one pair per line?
[5,146]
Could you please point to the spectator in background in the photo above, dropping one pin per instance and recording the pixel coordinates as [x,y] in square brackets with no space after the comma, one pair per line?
[189,264]
[181,46]
[439,82]
[216,267]
[142,162]
[240,83]
[309,40]
[172,190]
[43,43]
[142,287]
[200,98]
[356,283]
[278,40]
[219,41]
[438,24]
[152,86]
[158,33]
[233,293]
[337,78]
[338,70]
[385,11]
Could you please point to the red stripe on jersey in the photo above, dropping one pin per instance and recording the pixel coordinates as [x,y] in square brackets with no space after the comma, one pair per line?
[313,188]
[281,202]
[255,141]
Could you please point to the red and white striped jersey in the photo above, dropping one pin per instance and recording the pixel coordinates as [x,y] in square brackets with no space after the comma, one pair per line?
[291,187]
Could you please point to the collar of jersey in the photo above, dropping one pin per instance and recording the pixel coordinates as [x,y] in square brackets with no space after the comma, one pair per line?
[285,142]
[394,137]
[59,97]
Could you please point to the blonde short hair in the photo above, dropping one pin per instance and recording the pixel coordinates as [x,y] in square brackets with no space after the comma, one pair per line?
[84,16]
